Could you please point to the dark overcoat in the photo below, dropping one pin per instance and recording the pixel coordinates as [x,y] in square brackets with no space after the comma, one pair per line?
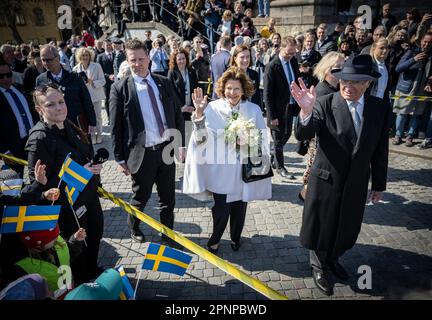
[338,184]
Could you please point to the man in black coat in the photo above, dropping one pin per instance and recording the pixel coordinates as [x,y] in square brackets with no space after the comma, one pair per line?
[280,105]
[119,55]
[77,97]
[106,60]
[352,131]
[17,117]
[143,107]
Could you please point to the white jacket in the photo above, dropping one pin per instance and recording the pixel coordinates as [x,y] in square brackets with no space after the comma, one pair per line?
[95,72]
[214,166]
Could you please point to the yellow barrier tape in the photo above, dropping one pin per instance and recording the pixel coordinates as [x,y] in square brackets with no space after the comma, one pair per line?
[203,253]
[411,98]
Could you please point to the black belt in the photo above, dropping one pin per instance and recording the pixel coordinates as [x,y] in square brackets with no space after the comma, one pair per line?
[157,146]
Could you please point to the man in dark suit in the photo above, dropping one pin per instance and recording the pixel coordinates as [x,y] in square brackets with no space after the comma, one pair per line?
[119,55]
[106,60]
[77,97]
[220,61]
[352,129]
[280,105]
[16,117]
[143,107]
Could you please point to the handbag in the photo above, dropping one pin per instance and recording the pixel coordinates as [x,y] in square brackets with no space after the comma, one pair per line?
[257,170]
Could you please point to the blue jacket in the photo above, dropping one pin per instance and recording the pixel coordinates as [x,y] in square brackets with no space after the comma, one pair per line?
[408,69]
[159,60]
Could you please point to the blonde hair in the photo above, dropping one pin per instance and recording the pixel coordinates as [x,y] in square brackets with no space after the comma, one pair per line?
[226,14]
[380,41]
[81,51]
[326,64]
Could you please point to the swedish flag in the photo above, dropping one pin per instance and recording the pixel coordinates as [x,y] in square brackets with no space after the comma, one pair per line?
[30,218]
[11,187]
[127,290]
[74,174]
[72,194]
[166,259]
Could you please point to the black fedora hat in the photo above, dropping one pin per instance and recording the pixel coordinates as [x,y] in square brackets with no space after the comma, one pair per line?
[359,67]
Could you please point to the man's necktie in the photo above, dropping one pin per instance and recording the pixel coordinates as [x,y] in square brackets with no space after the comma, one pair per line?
[21,109]
[356,117]
[290,80]
[155,107]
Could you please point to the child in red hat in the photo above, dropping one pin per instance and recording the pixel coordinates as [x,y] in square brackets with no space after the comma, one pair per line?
[50,256]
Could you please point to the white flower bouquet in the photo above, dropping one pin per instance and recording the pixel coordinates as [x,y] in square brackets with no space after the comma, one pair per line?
[242,133]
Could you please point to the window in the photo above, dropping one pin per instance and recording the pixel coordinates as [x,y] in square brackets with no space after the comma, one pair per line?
[38,16]
[20,18]
[2,20]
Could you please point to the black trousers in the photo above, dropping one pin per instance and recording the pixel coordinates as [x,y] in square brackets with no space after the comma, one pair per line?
[154,171]
[319,260]
[280,138]
[221,212]
[107,89]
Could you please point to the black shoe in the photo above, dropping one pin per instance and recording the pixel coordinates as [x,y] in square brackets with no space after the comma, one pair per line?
[284,173]
[171,243]
[339,271]
[235,246]
[322,281]
[214,251]
[137,235]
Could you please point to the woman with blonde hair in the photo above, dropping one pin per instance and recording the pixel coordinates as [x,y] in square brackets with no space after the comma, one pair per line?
[220,172]
[94,78]
[380,87]
[327,84]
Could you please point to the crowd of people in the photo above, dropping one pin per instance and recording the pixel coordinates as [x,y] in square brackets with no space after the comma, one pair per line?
[52,97]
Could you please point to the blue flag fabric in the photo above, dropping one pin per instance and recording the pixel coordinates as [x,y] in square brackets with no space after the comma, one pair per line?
[74,174]
[166,259]
[127,290]
[29,218]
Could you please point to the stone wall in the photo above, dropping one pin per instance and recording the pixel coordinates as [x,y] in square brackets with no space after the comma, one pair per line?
[31,30]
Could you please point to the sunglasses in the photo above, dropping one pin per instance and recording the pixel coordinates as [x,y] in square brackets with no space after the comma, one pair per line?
[42,89]
[6,75]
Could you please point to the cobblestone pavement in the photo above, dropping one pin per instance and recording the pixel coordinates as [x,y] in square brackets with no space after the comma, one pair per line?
[395,241]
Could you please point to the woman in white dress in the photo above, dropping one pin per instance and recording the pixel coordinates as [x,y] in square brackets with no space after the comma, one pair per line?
[214,165]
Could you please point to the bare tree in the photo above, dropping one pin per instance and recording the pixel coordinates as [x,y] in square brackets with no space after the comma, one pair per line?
[8,13]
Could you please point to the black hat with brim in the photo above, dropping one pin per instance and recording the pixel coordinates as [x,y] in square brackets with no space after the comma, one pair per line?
[358,68]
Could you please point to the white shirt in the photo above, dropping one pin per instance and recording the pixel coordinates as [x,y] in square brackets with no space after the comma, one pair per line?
[22,128]
[288,69]
[382,81]
[360,108]
[57,77]
[110,53]
[150,123]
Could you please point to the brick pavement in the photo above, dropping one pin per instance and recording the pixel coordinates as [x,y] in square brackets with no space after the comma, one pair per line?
[395,241]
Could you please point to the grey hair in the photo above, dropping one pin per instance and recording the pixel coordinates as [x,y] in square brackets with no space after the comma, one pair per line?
[52,49]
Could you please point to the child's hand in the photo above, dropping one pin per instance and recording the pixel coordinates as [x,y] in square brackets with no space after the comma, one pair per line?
[52,194]
[40,173]
[80,235]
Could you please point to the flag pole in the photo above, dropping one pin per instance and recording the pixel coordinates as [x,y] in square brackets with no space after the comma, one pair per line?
[76,219]
[58,187]
[136,286]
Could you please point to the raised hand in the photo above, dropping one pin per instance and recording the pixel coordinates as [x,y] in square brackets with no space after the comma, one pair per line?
[305,97]
[200,102]
[40,173]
